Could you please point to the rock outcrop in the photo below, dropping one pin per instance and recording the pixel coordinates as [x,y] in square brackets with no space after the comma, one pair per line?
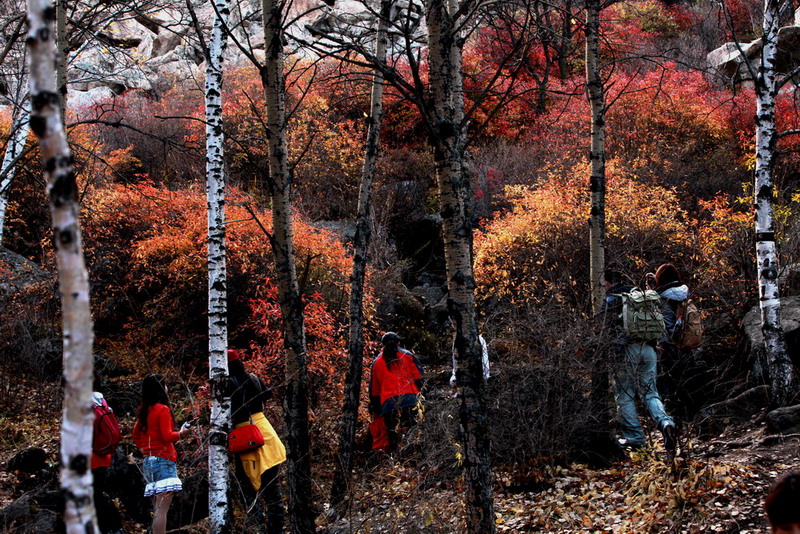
[790,319]
[732,59]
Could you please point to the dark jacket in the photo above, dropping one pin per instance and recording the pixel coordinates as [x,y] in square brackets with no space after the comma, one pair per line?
[612,316]
[248,397]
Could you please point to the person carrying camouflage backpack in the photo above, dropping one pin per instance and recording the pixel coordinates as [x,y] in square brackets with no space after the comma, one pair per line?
[633,317]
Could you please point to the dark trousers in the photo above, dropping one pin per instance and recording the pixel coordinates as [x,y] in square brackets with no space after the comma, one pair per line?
[399,414]
[108,518]
[270,493]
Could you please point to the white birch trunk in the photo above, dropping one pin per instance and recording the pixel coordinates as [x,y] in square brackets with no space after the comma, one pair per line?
[46,123]
[449,143]
[20,127]
[597,155]
[296,391]
[217,281]
[783,381]
[355,345]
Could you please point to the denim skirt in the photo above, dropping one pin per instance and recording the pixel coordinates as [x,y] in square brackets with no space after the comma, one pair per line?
[161,476]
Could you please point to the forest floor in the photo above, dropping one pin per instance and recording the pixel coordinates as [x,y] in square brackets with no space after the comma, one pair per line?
[716,485]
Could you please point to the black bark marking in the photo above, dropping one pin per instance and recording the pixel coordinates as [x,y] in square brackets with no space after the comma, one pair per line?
[65,236]
[219,285]
[45,98]
[765,236]
[64,189]
[445,129]
[764,192]
[218,439]
[79,463]
[769,273]
[38,125]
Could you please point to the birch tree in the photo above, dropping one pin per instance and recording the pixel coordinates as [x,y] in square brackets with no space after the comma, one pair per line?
[47,124]
[783,380]
[62,47]
[440,102]
[595,91]
[355,344]
[449,139]
[20,126]
[14,93]
[217,279]
[280,182]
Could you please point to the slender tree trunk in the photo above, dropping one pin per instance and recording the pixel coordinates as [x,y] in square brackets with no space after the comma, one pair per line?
[78,415]
[217,281]
[355,345]
[61,55]
[783,381]
[296,396]
[16,143]
[597,155]
[448,141]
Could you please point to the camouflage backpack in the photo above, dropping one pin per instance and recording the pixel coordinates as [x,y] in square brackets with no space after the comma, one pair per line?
[641,315]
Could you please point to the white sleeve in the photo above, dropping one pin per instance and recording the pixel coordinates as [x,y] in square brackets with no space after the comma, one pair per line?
[453,380]
[485,350]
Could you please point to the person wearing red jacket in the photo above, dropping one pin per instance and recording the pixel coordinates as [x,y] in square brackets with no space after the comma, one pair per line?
[154,434]
[108,517]
[396,379]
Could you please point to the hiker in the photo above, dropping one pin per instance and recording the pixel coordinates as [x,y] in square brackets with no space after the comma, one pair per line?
[154,434]
[672,292]
[635,368]
[396,380]
[257,469]
[783,505]
[108,518]
[484,359]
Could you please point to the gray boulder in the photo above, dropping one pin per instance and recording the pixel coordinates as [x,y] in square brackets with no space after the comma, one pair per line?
[19,273]
[715,418]
[790,319]
[728,60]
[731,59]
[784,420]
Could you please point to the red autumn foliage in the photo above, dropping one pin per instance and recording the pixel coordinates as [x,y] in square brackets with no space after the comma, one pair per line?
[146,250]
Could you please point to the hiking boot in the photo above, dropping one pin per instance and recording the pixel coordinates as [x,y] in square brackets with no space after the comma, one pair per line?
[670,437]
[629,444]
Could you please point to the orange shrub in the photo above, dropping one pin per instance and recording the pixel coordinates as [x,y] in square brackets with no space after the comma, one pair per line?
[539,252]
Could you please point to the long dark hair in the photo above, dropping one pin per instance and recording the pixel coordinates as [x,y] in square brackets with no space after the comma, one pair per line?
[667,274]
[390,342]
[153,392]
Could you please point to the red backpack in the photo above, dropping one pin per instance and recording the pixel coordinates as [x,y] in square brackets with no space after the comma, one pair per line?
[106,435]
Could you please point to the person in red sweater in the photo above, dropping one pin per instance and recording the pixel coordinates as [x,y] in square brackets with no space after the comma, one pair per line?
[396,380]
[154,434]
[108,517]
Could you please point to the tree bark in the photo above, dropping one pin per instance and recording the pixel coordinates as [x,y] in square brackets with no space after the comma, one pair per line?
[20,127]
[78,415]
[449,143]
[355,344]
[783,380]
[61,55]
[597,155]
[217,281]
[296,394]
